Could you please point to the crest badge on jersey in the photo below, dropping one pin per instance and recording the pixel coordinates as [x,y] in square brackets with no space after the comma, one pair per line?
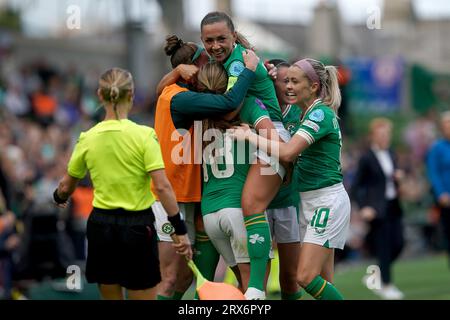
[291,128]
[236,68]
[317,115]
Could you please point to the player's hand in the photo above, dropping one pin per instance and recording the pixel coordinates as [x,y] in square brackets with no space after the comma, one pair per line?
[183,246]
[187,71]
[251,60]
[368,213]
[240,133]
[272,70]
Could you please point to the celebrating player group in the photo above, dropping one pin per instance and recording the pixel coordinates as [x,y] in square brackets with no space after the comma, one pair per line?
[244,157]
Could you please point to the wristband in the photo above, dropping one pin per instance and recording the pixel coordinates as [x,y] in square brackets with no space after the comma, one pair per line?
[178,224]
[56,198]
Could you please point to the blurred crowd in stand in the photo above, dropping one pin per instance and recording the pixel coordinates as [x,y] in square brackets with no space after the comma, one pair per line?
[43,109]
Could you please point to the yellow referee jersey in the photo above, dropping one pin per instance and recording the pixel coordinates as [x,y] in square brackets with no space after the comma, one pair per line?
[119,154]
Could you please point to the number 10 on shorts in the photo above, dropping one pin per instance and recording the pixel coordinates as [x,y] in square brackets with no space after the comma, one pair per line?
[320,218]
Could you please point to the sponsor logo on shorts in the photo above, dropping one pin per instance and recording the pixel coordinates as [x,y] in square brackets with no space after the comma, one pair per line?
[319,230]
[167,228]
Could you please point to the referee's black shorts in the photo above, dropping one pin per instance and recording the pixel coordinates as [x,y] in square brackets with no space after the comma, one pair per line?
[122,249]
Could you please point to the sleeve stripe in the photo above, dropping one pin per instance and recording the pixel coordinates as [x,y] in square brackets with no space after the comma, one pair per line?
[76,175]
[259,120]
[306,135]
[155,167]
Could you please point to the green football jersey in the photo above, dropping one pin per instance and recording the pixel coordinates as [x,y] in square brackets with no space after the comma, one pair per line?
[253,111]
[319,165]
[291,118]
[226,162]
[288,194]
[262,87]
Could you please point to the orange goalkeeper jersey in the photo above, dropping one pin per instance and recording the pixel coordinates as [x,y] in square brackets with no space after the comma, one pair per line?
[185,177]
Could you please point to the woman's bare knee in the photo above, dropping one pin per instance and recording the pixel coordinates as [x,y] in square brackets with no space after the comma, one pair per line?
[304,277]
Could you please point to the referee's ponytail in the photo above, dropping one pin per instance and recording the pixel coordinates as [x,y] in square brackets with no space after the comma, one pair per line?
[115,86]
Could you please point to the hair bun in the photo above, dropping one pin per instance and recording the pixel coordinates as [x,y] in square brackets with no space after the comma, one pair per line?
[172,44]
[114,93]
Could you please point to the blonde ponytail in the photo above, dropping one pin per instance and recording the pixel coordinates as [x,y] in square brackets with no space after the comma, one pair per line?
[115,86]
[114,93]
[327,76]
[332,92]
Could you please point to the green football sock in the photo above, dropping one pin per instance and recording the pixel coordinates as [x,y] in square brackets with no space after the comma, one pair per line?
[206,257]
[160,297]
[258,244]
[178,295]
[293,296]
[323,290]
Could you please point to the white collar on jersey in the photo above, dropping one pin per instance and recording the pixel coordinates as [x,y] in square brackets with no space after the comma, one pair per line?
[286,110]
[315,103]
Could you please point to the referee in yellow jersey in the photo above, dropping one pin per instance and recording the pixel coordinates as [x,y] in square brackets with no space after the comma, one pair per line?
[122,158]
